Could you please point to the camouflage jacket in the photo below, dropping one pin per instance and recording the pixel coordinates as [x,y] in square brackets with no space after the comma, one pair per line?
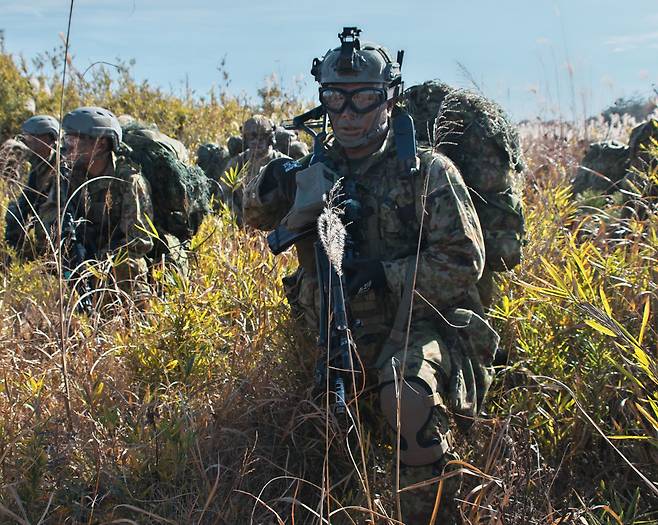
[452,247]
[113,208]
[21,211]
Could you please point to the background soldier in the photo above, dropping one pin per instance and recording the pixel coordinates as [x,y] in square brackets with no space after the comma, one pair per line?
[258,138]
[447,364]
[288,143]
[113,200]
[234,145]
[40,134]
[14,163]
[213,159]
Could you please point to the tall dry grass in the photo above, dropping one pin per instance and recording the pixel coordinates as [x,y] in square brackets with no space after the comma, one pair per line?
[200,410]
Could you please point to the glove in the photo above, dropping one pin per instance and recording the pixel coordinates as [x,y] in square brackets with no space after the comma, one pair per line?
[363,275]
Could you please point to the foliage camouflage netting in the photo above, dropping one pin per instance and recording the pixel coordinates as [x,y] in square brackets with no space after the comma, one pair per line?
[180,191]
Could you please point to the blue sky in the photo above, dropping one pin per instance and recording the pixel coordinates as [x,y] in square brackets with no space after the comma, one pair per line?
[536,57]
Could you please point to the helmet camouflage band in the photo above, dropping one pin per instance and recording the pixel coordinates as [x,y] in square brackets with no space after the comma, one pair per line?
[41,125]
[358,62]
[93,122]
[258,125]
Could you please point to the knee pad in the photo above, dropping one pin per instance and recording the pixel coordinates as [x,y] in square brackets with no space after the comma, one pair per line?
[416,408]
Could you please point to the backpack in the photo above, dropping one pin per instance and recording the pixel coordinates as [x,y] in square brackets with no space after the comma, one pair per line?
[476,134]
[602,168]
[642,137]
[180,191]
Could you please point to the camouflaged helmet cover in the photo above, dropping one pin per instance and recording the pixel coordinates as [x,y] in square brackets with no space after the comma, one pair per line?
[94,121]
[41,125]
[258,125]
[372,64]
[422,102]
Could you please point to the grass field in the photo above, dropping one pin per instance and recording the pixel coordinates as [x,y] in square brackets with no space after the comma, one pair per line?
[200,409]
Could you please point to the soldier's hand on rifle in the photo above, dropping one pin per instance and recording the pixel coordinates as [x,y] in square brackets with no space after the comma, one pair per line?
[363,275]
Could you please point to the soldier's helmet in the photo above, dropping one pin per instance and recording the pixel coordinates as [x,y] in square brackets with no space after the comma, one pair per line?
[41,125]
[93,122]
[234,145]
[358,62]
[258,127]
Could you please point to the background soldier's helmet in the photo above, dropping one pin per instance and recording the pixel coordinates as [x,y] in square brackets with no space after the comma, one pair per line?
[234,145]
[256,127]
[93,122]
[355,61]
[41,125]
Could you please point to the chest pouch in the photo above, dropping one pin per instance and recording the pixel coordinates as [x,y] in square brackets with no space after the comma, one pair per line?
[313,183]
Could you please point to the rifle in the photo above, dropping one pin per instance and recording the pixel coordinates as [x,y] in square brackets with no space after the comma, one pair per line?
[75,253]
[334,320]
[335,316]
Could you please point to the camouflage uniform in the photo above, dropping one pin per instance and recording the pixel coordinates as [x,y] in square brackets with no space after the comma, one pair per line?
[450,353]
[22,212]
[114,212]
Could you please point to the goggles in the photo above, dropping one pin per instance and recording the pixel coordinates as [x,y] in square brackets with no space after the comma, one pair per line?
[361,100]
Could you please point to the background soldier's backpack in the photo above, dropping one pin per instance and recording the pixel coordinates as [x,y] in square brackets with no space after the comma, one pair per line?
[640,142]
[180,191]
[476,134]
[641,182]
[422,102]
[602,168]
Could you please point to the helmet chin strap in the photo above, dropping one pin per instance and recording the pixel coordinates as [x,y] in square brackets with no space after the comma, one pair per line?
[378,128]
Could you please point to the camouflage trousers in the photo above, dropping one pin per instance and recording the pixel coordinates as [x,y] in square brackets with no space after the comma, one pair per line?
[455,367]
[449,358]
[130,276]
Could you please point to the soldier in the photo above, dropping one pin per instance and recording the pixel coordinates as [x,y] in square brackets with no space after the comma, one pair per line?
[40,135]
[234,145]
[14,163]
[288,143]
[110,198]
[447,362]
[258,137]
[213,159]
